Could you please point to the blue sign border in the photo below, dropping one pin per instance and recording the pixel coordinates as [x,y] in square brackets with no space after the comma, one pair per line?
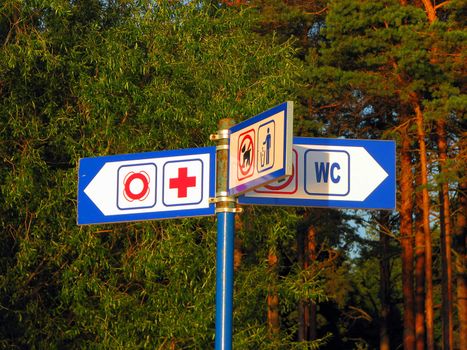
[383,197]
[285,106]
[88,213]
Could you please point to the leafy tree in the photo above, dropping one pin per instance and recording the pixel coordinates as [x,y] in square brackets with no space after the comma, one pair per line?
[89,78]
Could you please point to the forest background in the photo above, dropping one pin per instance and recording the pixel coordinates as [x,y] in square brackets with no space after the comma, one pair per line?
[89,78]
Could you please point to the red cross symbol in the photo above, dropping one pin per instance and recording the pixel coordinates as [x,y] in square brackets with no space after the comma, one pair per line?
[182,182]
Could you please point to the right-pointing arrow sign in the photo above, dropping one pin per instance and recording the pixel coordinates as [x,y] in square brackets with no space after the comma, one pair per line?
[336,173]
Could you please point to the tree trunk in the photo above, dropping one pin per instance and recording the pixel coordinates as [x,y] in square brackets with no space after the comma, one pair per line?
[406,188]
[430,10]
[307,310]
[461,264]
[273,297]
[302,309]
[419,273]
[384,287]
[430,343]
[311,257]
[446,256]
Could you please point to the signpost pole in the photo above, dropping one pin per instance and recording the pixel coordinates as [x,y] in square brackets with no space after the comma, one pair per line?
[224,280]
[225,209]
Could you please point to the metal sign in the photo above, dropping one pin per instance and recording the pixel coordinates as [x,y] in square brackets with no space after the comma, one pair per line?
[337,173]
[145,186]
[260,149]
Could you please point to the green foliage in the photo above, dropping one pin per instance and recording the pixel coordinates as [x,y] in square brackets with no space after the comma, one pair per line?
[375,57]
[256,279]
[89,78]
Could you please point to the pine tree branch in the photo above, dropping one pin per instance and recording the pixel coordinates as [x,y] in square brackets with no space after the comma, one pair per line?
[442,4]
[317,12]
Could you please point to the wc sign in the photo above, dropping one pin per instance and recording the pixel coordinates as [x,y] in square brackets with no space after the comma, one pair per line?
[260,149]
[327,171]
[144,186]
[336,173]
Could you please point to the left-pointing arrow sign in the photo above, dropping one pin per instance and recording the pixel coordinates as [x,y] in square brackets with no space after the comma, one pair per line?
[146,186]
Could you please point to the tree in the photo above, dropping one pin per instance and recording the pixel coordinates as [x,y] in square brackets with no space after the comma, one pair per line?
[391,69]
[378,60]
[461,262]
[89,78]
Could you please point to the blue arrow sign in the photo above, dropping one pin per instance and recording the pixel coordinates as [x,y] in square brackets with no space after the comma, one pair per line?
[146,186]
[336,173]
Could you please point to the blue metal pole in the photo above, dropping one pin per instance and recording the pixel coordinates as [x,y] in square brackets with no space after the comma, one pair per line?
[225,209]
[224,280]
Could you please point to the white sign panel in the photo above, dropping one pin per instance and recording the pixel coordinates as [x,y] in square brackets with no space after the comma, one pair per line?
[336,173]
[144,186]
[260,149]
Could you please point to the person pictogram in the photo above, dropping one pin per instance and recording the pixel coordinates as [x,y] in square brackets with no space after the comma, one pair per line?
[267,143]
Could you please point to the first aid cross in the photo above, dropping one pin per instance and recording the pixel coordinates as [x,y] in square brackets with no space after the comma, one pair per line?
[182,182]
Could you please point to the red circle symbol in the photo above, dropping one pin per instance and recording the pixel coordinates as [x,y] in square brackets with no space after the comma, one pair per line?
[246,155]
[132,193]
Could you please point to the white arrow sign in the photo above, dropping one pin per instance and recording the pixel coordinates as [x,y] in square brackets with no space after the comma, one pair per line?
[153,185]
[348,173]
[334,173]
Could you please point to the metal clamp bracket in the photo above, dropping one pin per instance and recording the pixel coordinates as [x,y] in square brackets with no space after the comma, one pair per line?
[220,135]
[229,210]
[221,199]
[222,147]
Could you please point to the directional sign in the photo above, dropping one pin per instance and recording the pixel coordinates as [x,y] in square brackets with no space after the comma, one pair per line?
[260,149]
[336,173]
[145,186]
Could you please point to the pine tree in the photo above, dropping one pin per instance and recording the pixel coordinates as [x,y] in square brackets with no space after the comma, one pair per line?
[386,65]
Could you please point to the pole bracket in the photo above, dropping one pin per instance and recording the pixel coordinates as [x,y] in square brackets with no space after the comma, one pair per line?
[222,199]
[222,147]
[229,210]
[220,135]
[222,194]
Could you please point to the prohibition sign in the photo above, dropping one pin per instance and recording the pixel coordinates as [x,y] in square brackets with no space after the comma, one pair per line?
[142,180]
[246,155]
